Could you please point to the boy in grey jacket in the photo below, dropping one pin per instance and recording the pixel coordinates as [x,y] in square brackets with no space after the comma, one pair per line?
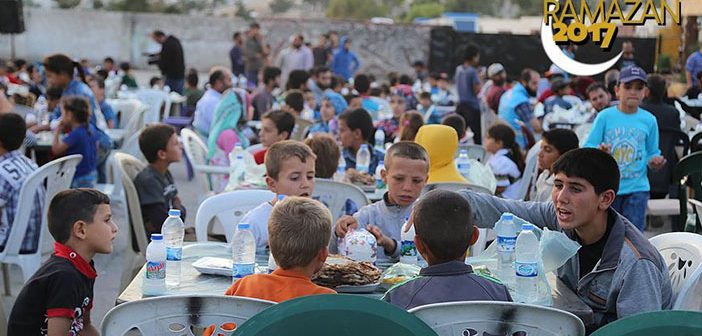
[616,272]
[443,236]
[406,173]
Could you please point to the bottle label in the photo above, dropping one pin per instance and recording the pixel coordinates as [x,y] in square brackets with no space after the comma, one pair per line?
[362,169]
[155,270]
[463,166]
[408,249]
[379,184]
[506,244]
[242,270]
[526,270]
[174,253]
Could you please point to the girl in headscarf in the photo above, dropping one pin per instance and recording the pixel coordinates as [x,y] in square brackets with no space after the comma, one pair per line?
[225,134]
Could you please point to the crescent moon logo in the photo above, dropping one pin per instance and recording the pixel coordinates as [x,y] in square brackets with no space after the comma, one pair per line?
[569,65]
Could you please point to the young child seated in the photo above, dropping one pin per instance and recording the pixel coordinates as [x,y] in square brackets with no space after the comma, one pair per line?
[443,224]
[427,109]
[327,162]
[405,174]
[456,121]
[275,126]
[329,123]
[82,139]
[295,105]
[506,161]
[356,129]
[298,231]
[290,172]
[154,185]
[58,298]
[14,170]
[391,126]
[410,122]
[554,143]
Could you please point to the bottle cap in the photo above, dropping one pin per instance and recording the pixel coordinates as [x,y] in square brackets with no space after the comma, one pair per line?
[243,226]
[507,216]
[382,162]
[527,227]
[156,237]
[174,212]
[364,146]
[238,144]
[281,197]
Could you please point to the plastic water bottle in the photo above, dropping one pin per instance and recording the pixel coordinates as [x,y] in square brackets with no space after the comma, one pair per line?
[243,252]
[155,276]
[340,169]
[237,164]
[379,139]
[527,265]
[408,249]
[463,163]
[243,82]
[506,240]
[363,160]
[379,184]
[173,231]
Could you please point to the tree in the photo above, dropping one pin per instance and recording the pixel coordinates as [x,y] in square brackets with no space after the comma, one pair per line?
[130,6]
[66,4]
[280,6]
[242,11]
[356,9]
[428,10]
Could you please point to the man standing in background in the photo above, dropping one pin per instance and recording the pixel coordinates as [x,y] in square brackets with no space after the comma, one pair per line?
[255,53]
[236,55]
[170,60]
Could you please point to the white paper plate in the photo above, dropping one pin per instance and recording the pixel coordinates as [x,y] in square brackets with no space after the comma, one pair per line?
[358,289]
[214,266]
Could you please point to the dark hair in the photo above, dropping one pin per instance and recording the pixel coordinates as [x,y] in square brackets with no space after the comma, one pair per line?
[594,87]
[296,79]
[13,129]
[359,119]
[79,108]
[270,73]
[593,165]
[375,92]
[102,73]
[70,206]
[418,63]
[158,33]
[327,151]
[408,150]
[471,52]
[191,78]
[336,81]
[393,78]
[19,63]
[656,87]
[100,82]
[443,221]
[254,25]
[410,122]
[563,139]
[525,75]
[154,138]
[153,80]
[295,99]
[54,93]
[284,121]
[316,71]
[699,76]
[425,95]
[108,59]
[216,75]
[62,64]
[504,133]
[458,123]
[125,66]
[361,83]
[405,79]
[235,35]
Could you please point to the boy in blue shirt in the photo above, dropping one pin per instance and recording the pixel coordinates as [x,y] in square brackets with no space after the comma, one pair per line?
[630,134]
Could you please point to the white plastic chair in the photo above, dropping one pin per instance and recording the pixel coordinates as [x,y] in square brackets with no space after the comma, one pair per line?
[334,195]
[682,252]
[155,99]
[529,177]
[131,146]
[498,318]
[58,175]
[228,208]
[181,315]
[196,150]
[455,186]
[475,152]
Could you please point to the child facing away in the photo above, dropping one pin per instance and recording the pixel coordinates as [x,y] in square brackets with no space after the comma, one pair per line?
[410,122]
[58,298]
[405,174]
[276,126]
[15,167]
[154,185]
[554,143]
[82,139]
[443,223]
[290,172]
[506,162]
[298,232]
[630,134]
[459,124]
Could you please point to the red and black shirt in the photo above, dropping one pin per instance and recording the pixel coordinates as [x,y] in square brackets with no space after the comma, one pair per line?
[62,287]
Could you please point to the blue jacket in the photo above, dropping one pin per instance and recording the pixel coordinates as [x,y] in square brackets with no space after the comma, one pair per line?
[344,63]
[514,104]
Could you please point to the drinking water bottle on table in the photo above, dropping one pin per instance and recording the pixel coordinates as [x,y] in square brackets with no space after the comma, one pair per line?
[408,249]
[363,158]
[379,184]
[173,231]
[243,252]
[155,275]
[527,265]
[506,240]
[463,163]
[380,139]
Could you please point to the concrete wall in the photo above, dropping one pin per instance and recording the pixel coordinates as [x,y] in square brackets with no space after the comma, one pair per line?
[206,40]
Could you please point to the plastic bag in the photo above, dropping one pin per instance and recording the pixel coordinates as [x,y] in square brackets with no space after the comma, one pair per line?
[398,273]
[481,175]
[556,249]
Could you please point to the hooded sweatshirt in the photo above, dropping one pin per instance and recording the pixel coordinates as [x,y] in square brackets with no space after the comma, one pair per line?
[441,143]
[345,63]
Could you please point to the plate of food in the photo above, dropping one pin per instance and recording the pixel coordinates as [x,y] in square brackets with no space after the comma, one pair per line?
[348,276]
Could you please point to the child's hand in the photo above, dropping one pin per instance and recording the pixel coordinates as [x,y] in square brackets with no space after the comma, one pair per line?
[387,243]
[606,148]
[657,162]
[344,224]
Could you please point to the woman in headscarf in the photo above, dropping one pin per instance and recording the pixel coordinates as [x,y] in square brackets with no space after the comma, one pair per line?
[225,134]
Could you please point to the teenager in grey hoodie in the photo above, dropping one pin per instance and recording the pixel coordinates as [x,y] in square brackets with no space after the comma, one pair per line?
[406,173]
[616,272]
